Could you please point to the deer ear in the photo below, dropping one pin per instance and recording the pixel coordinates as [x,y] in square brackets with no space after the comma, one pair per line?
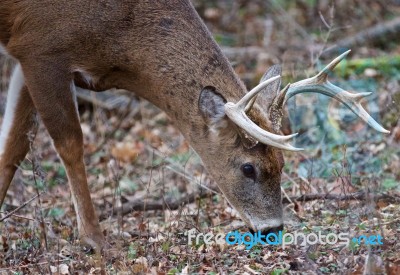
[211,105]
[270,92]
[274,70]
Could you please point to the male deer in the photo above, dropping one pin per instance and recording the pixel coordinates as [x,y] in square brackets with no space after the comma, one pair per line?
[163,52]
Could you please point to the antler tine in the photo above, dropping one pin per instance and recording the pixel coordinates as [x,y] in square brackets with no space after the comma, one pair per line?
[323,74]
[275,70]
[246,101]
[320,84]
[250,104]
[236,112]
[281,97]
[276,109]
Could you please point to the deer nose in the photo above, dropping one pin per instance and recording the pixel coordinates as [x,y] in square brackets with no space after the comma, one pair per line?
[267,231]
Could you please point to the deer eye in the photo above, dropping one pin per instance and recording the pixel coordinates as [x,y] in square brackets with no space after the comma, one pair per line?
[248,170]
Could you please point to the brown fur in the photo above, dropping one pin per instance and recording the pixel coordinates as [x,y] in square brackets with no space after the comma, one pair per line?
[160,50]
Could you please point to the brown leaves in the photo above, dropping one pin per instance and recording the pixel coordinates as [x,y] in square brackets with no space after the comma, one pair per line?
[140,266]
[127,152]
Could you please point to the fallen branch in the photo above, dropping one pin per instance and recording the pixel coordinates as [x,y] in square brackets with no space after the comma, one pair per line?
[171,204]
[361,195]
[110,100]
[174,204]
[21,206]
[380,33]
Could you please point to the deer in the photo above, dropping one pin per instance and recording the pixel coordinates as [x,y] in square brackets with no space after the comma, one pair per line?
[163,52]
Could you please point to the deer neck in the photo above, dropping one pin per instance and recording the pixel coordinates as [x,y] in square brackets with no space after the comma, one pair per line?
[178,88]
[165,54]
[176,64]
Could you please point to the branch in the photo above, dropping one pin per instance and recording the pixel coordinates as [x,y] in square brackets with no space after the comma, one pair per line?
[174,204]
[113,99]
[168,203]
[21,206]
[361,195]
[380,33]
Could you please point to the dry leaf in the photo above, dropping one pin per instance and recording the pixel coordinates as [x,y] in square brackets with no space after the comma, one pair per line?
[127,151]
[140,265]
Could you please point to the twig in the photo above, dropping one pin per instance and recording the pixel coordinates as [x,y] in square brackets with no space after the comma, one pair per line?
[327,36]
[288,20]
[352,196]
[111,134]
[252,271]
[21,217]
[178,170]
[391,222]
[21,206]
[111,100]
[30,265]
[174,204]
[383,32]
[167,203]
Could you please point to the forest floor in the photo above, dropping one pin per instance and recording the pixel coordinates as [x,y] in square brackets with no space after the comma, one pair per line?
[346,181]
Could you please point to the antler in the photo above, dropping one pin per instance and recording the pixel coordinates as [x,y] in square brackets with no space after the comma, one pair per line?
[320,84]
[316,84]
[237,113]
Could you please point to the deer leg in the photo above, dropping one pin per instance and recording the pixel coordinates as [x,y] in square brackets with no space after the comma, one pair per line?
[18,129]
[52,92]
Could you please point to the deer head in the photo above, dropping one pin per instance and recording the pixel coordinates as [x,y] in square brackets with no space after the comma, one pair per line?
[248,163]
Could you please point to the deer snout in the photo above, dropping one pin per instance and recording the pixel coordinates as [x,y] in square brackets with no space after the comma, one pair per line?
[267,231]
